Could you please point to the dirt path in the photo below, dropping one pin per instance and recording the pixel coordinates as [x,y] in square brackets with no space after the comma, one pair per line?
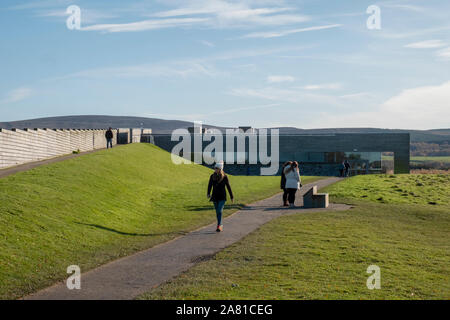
[131,276]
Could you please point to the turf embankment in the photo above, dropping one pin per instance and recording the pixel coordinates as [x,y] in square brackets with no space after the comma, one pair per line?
[98,207]
[326,255]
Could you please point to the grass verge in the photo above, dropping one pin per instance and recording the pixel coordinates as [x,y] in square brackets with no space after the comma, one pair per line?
[326,255]
[101,206]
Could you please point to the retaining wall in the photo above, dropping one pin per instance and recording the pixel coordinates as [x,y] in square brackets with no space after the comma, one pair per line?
[28,145]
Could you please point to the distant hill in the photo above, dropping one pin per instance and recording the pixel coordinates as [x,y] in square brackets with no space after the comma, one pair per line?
[167,126]
[99,122]
[416,135]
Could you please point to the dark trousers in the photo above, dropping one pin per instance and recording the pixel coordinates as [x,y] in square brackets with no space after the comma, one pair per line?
[285,195]
[291,195]
[109,143]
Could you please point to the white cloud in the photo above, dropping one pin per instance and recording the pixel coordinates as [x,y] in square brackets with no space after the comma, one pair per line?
[276,34]
[279,79]
[145,25]
[429,44]
[355,95]
[417,108]
[290,95]
[17,95]
[324,86]
[181,69]
[405,7]
[444,54]
[207,43]
[87,15]
[210,13]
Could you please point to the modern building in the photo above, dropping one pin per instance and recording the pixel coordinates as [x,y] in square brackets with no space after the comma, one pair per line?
[317,154]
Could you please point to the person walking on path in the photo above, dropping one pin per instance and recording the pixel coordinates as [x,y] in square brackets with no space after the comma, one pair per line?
[347,168]
[218,181]
[293,181]
[109,135]
[283,183]
[342,169]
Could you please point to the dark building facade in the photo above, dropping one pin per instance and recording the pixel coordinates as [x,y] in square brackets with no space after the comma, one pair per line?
[320,154]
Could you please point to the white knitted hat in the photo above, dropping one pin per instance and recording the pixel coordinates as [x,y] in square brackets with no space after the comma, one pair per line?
[219,165]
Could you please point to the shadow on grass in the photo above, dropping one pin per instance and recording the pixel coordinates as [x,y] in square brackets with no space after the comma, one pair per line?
[130,233]
[211,207]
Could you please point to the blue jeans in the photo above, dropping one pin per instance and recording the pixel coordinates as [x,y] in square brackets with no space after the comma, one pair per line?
[218,205]
[108,143]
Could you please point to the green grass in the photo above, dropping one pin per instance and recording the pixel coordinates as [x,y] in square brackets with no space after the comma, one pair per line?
[98,207]
[325,255]
[421,159]
[426,189]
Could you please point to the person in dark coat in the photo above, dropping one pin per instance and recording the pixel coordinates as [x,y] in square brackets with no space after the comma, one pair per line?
[218,182]
[342,169]
[347,168]
[109,135]
[283,183]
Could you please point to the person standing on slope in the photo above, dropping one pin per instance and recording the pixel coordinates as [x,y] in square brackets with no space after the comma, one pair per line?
[293,181]
[218,181]
[283,183]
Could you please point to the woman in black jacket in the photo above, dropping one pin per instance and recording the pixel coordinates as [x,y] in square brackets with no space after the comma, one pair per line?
[218,182]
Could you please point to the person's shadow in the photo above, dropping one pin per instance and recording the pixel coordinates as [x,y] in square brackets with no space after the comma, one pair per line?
[130,233]
[211,207]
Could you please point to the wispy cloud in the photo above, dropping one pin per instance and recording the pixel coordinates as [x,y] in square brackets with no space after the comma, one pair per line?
[211,14]
[324,86]
[355,95]
[408,7]
[213,114]
[275,34]
[444,54]
[87,15]
[291,95]
[17,95]
[207,43]
[145,25]
[181,69]
[428,44]
[280,79]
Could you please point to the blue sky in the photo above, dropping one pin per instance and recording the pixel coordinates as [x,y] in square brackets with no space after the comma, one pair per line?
[265,63]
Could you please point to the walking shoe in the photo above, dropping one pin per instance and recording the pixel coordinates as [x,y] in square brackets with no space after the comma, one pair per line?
[218,229]
[291,205]
[286,204]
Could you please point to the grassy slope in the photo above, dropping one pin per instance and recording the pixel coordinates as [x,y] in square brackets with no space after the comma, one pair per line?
[325,255]
[98,207]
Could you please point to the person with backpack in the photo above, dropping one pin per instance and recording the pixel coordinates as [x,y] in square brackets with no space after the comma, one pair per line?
[283,183]
[218,181]
[109,136]
[293,181]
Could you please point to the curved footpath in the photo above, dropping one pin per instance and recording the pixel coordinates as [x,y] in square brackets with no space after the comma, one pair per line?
[128,277]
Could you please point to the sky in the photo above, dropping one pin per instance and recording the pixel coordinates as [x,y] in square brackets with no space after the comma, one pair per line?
[261,63]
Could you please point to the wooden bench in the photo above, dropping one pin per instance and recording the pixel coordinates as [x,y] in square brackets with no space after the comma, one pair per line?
[312,199]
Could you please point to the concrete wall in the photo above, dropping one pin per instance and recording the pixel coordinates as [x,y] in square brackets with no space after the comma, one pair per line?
[398,143]
[28,145]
